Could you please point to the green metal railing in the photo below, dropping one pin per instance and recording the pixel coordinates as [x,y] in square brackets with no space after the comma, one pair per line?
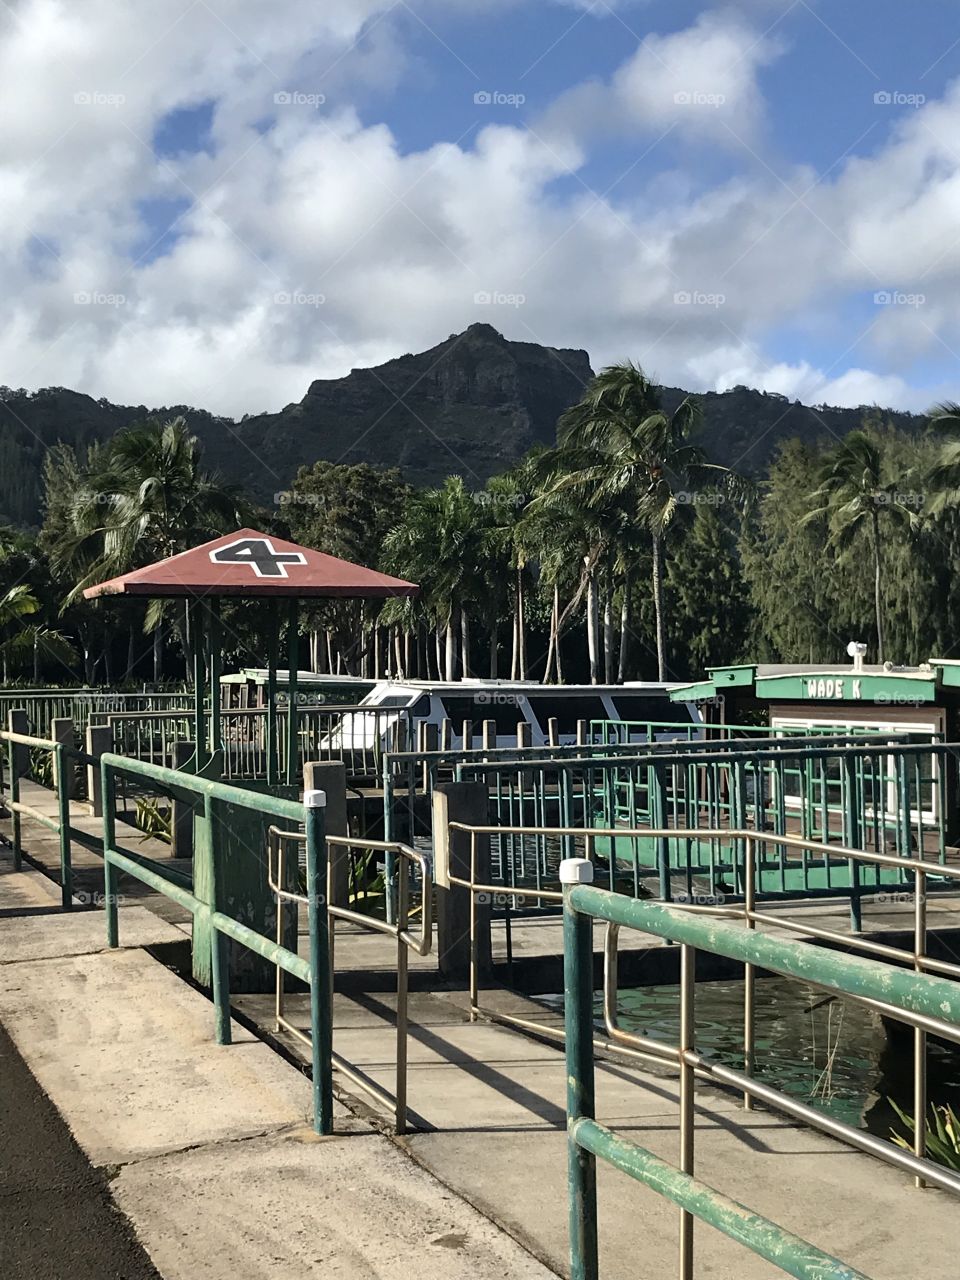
[920,998]
[894,795]
[315,972]
[410,861]
[64,759]
[356,735]
[84,706]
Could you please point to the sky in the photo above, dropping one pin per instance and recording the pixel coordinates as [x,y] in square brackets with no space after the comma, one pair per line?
[214,203]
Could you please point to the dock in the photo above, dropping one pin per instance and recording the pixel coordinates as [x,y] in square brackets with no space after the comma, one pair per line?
[212,1160]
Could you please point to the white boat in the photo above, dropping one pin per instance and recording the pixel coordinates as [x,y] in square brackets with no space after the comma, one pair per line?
[550,712]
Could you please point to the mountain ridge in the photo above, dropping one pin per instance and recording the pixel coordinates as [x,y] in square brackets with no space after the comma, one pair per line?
[473,405]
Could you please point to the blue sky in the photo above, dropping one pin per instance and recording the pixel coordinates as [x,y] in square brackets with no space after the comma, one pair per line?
[763,192]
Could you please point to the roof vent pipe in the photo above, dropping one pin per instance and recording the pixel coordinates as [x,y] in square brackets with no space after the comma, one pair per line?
[856,649]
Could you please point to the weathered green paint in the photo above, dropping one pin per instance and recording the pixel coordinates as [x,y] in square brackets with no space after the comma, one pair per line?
[61,765]
[293,667]
[155,880]
[846,686]
[187,785]
[578,1028]
[791,1254]
[272,951]
[321,985]
[915,992]
[108,791]
[230,835]
[199,672]
[273,769]
[15,800]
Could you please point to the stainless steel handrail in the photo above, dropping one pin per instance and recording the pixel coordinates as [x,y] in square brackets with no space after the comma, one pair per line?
[407,941]
[646,1047]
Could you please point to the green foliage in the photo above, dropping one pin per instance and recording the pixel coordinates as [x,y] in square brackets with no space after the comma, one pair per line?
[622,552]
[942,1134]
[710,608]
[154,819]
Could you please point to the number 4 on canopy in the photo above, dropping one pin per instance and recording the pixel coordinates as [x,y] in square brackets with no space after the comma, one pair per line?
[260,555]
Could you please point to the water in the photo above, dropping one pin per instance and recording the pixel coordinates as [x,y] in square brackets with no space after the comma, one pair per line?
[831,1053]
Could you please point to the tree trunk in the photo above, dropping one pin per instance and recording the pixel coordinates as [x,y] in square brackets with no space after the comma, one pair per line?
[624,627]
[658,606]
[157,651]
[877,581]
[464,643]
[548,665]
[36,659]
[592,625]
[521,628]
[329,638]
[438,650]
[494,648]
[397,653]
[515,644]
[608,629]
[450,656]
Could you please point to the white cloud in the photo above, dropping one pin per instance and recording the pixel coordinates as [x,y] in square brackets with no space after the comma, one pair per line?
[380,250]
[701,80]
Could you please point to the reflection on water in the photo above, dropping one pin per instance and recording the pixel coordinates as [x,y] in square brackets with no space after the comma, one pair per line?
[832,1053]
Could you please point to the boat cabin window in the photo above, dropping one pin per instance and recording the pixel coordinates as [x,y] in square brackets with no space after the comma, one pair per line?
[567,709]
[632,706]
[503,708]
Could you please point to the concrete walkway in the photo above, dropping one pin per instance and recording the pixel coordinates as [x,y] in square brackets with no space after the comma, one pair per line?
[210,1149]
[214,1162]
[491,1104]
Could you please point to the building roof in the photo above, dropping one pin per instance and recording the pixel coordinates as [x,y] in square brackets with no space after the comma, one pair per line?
[249,563]
[822,682]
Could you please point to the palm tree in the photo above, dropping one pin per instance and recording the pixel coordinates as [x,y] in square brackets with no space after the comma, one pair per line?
[855,494]
[144,498]
[631,463]
[943,478]
[19,641]
[438,543]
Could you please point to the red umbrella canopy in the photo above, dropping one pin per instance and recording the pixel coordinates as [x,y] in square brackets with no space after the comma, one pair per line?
[249,563]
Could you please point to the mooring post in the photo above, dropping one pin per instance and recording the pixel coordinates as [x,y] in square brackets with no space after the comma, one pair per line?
[62,732]
[18,722]
[321,1012]
[330,777]
[99,740]
[461,856]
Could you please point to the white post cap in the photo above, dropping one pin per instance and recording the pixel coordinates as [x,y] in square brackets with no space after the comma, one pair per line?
[576,871]
[314,799]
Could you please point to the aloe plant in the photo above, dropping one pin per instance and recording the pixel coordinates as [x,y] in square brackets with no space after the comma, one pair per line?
[943,1135]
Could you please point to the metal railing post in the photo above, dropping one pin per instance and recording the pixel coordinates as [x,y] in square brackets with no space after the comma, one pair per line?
[578,1027]
[321,1013]
[688,960]
[919,1035]
[749,971]
[474,959]
[219,943]
[15,799]
[108,790]
[403,912]
[64,769]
